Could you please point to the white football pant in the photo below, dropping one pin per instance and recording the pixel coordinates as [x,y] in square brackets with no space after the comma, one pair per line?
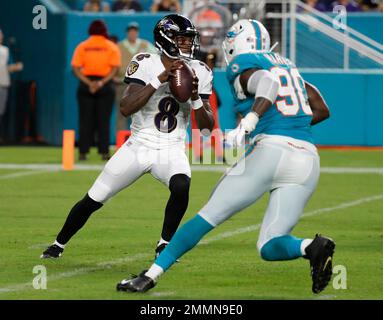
[133,160]
[287,168]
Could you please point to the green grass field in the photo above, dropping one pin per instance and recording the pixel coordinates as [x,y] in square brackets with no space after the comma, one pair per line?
[120,238]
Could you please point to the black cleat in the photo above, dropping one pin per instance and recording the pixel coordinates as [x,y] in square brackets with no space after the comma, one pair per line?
[320,253]
[159,249]
[53,251]
[140,283]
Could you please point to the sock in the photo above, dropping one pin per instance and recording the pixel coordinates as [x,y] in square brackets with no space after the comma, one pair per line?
[77,218]
[184,240]
[281,248]
[305,243]
[154,272]
[161,242]
[177,204]
[62,246]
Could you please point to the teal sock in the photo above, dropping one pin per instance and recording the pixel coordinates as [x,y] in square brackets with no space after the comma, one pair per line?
[184,240]
[282,248]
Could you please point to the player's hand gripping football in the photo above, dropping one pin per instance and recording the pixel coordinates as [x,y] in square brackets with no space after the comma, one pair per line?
[194,95]
[169,71]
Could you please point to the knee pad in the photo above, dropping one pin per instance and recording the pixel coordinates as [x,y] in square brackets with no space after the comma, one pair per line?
[100,192]
[179,185]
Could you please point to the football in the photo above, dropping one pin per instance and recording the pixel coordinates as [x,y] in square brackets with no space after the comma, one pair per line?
[181,85]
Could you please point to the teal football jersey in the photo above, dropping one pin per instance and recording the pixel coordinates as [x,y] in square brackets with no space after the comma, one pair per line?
[290,115]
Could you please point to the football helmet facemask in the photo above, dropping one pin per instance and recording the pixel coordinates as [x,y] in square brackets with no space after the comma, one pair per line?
[168,29]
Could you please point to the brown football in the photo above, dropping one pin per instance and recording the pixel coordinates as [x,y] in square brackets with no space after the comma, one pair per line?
[181,85]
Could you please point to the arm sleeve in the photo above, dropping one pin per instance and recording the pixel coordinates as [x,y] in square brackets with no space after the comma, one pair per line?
[136,72]
[205,85]
[263,83]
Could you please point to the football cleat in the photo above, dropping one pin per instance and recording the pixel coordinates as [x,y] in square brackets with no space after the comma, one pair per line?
[320,253]
[140,283]
[159,249]
[53,251]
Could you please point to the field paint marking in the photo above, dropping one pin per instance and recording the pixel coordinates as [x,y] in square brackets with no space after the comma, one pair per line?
[325,297]
[108,264]
[22,174]
[162,294]
[255,227]
[39,245]
[200,168]
[76,272]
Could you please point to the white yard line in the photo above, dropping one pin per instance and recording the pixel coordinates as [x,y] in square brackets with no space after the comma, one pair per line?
[201,168]
[22,174]
[255,227]
[228,234]
[76,272]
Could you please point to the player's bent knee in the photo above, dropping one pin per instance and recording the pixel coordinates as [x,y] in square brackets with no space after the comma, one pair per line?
[179,185]
[100,192]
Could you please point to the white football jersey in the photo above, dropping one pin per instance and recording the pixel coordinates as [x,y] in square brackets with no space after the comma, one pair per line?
[163,121]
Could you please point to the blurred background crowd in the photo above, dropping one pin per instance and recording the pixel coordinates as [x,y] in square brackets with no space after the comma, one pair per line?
[46,101]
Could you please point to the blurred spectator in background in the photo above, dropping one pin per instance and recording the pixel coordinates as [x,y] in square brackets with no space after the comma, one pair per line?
[350,5]
[212,21]
[210,58]
[129,6]
[96,6]
[316,4]
[95,62]
[370,5]
[5,69]
[166,5]
[130,46]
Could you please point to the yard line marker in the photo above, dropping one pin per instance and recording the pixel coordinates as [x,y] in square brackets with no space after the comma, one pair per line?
[108,264]
[22,174]
[196,168]
[76,272]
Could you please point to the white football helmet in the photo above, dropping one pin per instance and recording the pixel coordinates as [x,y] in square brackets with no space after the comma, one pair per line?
[245,36]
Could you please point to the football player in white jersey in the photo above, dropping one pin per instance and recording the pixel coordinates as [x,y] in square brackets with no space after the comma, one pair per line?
[159,124]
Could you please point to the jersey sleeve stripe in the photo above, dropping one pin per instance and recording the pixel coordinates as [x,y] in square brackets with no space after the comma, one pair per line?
[204,96]
[134,80]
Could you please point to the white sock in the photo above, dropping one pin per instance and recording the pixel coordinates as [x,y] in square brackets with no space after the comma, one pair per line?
[305,243]
[62,246]
[162,241]
[154,272]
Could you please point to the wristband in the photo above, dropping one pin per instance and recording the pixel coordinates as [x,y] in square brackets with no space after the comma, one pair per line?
[250,121]
[155,83]
[197,104]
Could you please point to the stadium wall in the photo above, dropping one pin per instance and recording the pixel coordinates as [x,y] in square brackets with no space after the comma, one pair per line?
[353,97]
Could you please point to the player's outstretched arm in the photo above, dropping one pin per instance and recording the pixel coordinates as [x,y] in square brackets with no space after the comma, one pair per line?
[317,104]
[264,85]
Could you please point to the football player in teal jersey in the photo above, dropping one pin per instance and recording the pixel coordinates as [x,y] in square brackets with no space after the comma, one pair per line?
[278,109]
